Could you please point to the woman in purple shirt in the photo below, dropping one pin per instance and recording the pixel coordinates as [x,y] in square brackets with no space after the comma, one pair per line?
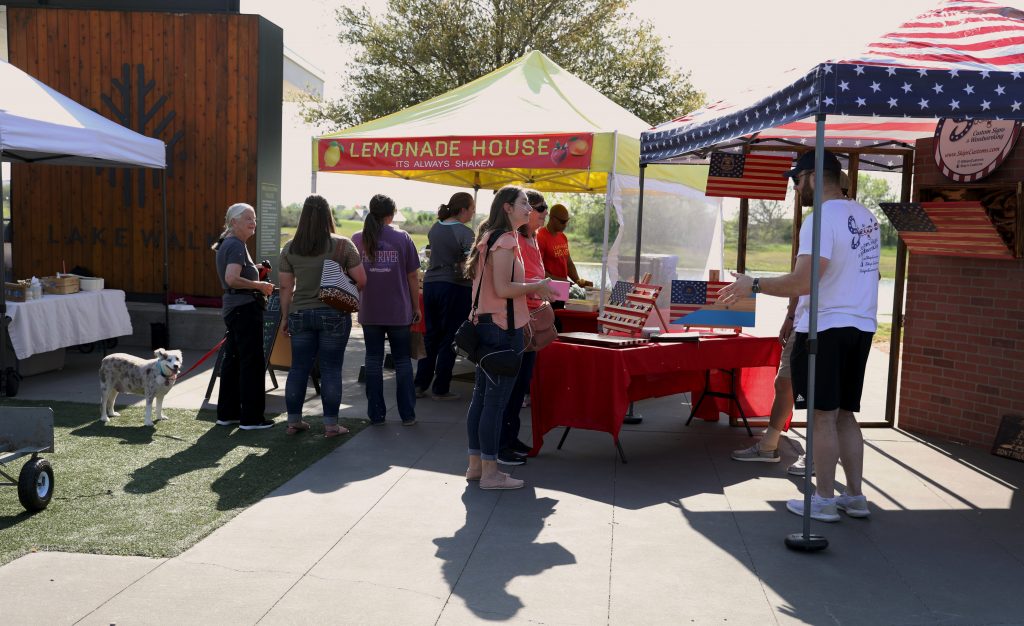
[389,306]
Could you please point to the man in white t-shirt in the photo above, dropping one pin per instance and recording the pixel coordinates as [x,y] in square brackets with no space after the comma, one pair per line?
[847,306]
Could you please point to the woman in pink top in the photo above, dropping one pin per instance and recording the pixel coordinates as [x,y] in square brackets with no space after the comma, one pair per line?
[498,276]
[511,450]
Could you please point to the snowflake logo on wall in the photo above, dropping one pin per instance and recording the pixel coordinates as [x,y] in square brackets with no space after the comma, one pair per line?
[131,112]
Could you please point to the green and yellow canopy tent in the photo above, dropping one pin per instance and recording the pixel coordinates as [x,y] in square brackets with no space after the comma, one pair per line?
[530,123]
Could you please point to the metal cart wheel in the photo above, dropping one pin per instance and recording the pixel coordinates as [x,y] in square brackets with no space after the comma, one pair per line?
[35,484]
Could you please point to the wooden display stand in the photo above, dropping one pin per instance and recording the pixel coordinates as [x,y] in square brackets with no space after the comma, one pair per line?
[631,316]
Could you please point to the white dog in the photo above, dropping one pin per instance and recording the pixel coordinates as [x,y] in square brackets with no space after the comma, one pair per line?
[124,373]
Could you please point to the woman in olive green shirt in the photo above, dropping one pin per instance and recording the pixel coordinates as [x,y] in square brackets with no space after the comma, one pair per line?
[315,328]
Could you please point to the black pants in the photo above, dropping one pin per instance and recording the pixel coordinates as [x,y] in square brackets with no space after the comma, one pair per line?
[242,372]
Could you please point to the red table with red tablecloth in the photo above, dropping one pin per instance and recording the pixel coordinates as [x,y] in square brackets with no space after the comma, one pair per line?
[577,321]
[590,387]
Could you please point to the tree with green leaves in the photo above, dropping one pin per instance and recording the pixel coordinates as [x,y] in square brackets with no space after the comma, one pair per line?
[871,191]
[418,50]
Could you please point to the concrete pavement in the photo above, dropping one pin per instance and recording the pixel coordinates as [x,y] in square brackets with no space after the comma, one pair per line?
[386,530]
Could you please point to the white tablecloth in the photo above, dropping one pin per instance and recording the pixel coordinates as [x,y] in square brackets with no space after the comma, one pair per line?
[54,322]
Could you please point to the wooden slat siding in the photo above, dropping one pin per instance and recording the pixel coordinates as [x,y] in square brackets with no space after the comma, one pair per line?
[232,102]
[201,205]
[92,56]
[207,66]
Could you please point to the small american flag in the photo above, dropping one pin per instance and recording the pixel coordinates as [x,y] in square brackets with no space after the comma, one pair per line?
[947,229]
[748,176]
[690,295]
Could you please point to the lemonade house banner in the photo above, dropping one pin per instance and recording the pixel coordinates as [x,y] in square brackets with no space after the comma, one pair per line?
[534,151]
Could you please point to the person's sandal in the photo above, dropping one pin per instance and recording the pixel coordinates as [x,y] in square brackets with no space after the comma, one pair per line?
[296,428]
[334,431]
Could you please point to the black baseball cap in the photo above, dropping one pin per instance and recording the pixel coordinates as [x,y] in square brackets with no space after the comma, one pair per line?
[805,162]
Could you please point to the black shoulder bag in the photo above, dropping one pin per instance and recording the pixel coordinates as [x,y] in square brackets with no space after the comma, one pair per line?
[467,340]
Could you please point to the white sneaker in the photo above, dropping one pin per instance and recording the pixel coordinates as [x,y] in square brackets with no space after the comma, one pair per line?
[799,466]
[822,509]
[854,506]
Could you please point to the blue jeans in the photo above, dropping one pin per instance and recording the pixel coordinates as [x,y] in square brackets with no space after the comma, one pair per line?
[490,394]
[510,421]
[398,337]
[316,332]
[446,306]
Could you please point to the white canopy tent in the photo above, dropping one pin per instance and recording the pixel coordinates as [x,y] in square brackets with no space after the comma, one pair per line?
[41,125]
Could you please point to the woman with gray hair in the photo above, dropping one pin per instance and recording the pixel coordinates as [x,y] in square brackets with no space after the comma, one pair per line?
[241,399]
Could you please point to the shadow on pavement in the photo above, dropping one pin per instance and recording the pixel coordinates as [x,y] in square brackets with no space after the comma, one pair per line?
[479,567]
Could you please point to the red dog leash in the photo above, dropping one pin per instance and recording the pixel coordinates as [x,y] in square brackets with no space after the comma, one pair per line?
[205,356]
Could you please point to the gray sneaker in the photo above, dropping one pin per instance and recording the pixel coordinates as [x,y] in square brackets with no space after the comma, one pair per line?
[854,506]
[755,453]
[822,509]
[799,466]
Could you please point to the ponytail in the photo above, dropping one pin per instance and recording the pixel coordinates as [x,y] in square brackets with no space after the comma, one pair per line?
[460,201]
[381,208]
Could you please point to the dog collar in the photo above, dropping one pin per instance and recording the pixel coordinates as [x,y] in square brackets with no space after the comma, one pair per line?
[167,375]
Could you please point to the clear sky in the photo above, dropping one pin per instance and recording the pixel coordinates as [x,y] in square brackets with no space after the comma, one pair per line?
[726,46]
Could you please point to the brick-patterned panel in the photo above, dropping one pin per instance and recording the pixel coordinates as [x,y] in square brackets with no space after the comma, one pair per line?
[963,341]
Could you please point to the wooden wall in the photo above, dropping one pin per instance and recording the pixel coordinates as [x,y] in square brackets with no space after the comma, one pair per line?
[201,73]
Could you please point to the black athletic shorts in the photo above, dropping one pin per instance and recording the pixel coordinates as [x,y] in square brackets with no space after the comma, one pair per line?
[839,368]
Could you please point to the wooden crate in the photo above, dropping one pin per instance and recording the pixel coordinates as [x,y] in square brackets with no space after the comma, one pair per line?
[61,285]
[16,292]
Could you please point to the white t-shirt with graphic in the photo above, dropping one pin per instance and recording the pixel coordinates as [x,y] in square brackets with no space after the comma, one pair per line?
[851,241]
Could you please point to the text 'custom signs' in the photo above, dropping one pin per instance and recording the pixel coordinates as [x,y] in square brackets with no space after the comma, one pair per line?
[969,150]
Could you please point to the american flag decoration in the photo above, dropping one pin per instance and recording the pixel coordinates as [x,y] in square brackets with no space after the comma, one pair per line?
[947,229]
[754,176]
[695,303]
[962,59]
[619,292]
[630,315]
[907,217]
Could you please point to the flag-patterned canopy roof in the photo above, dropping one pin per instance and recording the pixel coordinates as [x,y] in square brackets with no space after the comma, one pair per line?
[964,59]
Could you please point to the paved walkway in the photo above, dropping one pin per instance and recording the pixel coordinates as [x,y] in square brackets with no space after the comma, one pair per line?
[386,531]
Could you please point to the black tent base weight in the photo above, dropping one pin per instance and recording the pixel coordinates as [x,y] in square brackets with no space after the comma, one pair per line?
[806,543]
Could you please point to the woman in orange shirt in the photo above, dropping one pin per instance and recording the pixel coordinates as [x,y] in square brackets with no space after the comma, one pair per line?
[498,276]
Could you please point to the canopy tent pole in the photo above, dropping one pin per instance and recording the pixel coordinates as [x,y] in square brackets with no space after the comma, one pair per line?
[806,541]
[741,236]
[608,203]
[167,270]
[3,301]
[639,225]
[897,299]
[312,175]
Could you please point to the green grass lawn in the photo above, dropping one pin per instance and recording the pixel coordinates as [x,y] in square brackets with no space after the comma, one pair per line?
[125,489]
[775,258]
[349,228]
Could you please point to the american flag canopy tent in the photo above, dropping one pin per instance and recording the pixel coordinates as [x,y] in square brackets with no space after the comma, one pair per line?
[963,59]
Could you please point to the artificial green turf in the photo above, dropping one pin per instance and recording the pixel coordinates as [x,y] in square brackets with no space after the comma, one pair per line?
[123,488]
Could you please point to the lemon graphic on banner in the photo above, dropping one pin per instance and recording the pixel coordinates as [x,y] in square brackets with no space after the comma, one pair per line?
[333,154]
